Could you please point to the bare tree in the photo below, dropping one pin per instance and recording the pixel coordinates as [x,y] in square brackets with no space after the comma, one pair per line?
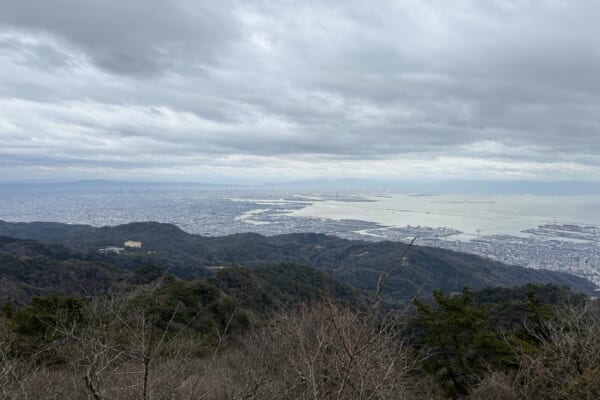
[323,351]
[565,365]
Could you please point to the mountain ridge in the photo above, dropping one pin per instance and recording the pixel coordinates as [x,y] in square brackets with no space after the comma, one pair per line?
[356,263]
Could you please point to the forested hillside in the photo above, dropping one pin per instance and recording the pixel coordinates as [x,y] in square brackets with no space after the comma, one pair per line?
[355,263]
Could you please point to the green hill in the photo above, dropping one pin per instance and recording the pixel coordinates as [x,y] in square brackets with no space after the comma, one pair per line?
[32,268]
[356,263]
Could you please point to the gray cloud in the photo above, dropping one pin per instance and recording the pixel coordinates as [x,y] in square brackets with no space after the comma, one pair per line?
[135,37]
[308,86]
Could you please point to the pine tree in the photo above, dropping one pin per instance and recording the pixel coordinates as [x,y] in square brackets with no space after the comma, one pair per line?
[461,341]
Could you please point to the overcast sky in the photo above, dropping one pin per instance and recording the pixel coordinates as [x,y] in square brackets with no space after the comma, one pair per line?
[282,90]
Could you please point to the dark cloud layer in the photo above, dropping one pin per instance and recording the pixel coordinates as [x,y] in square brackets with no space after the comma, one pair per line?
[132,37]
[285,88]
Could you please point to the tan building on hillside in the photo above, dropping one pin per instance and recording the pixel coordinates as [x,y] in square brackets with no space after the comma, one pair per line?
[133,243]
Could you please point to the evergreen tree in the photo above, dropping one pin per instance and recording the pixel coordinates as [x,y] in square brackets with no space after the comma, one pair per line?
[461,342]
[7,308]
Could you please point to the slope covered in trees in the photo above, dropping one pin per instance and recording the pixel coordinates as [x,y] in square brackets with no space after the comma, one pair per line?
[355,263]
[29,268]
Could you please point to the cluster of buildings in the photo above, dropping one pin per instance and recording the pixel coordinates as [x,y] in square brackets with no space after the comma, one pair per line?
[578,258]
[131,244]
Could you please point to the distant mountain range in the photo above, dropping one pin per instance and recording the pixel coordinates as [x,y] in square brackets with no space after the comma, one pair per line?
[329,185]
[73,250]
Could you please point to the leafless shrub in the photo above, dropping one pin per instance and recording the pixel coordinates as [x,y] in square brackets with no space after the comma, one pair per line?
[318,352]
[565,366]
[121,353]
[321,351]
